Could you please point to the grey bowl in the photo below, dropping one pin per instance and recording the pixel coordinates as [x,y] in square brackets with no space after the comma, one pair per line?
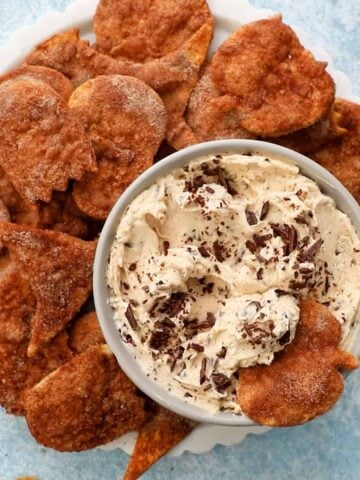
[328,184]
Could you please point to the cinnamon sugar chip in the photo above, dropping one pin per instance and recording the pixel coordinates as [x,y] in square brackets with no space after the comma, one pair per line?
[164,35]
[175,96]
[85,333]
[342,156]
[173,75]
[311,139]
[19,210]
[42,145]
[49,76]
[87,402]
[158,436]
[4,212]
[60,214]
[145,31]
[17,370]
[303,381]
[63,215]
[72,56]
[125,120]
[211,116]
[60,270]
[260,81]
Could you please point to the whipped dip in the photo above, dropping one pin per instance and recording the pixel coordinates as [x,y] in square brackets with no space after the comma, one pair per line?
[208,264]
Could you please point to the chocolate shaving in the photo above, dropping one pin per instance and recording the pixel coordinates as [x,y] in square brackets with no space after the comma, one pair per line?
[129,314]
[309,254]
[191,326]
[219,251]
[208,323]
[301,220]
[128,339]
[260,274]
[327,284]
[250,246]
[209,171]
[305,270]
[166,246]
[250,217]
[194,185]
[260,240]
[222,353]
[297,285]
[175,304]
[199,200]
[132,267]
[221,381]
[159,339]
[165,323]
[203,371]
[196,347]
[293,239]
[155,305]
[283,231]
[264,210]
[225,182]
[174,356]
[204,252]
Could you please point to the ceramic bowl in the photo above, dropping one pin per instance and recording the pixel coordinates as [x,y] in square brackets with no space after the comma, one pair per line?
[327,183]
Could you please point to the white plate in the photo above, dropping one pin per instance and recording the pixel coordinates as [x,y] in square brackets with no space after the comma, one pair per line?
[229,14]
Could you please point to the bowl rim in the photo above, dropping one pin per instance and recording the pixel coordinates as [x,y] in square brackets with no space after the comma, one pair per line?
[330,185]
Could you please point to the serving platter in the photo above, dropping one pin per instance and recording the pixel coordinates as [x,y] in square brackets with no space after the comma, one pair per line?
[229,15]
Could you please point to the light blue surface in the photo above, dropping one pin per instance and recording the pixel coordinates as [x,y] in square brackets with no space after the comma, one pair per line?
[325,449]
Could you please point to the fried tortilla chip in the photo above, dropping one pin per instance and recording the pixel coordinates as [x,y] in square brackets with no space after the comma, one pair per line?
[310,139]
[63,215]
[4,217]
[156,437]
[8,194]
[60,269]
[19,210]
[74,58]
[209,116]
[51,77]
[85,333]
[342,156]
[125,120]
[87,402]
[142,31]
[303,381]
[162,34]
[276,85]
[189,61]
[173,76]
[60,214]
[4,212]
[17,370]
[42,145]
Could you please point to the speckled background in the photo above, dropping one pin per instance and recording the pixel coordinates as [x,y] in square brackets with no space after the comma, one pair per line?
[327,448]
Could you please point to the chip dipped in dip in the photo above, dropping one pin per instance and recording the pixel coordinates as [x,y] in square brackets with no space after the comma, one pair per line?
[208,265]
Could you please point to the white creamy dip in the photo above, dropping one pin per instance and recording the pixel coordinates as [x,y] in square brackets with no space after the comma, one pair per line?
[208,264]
